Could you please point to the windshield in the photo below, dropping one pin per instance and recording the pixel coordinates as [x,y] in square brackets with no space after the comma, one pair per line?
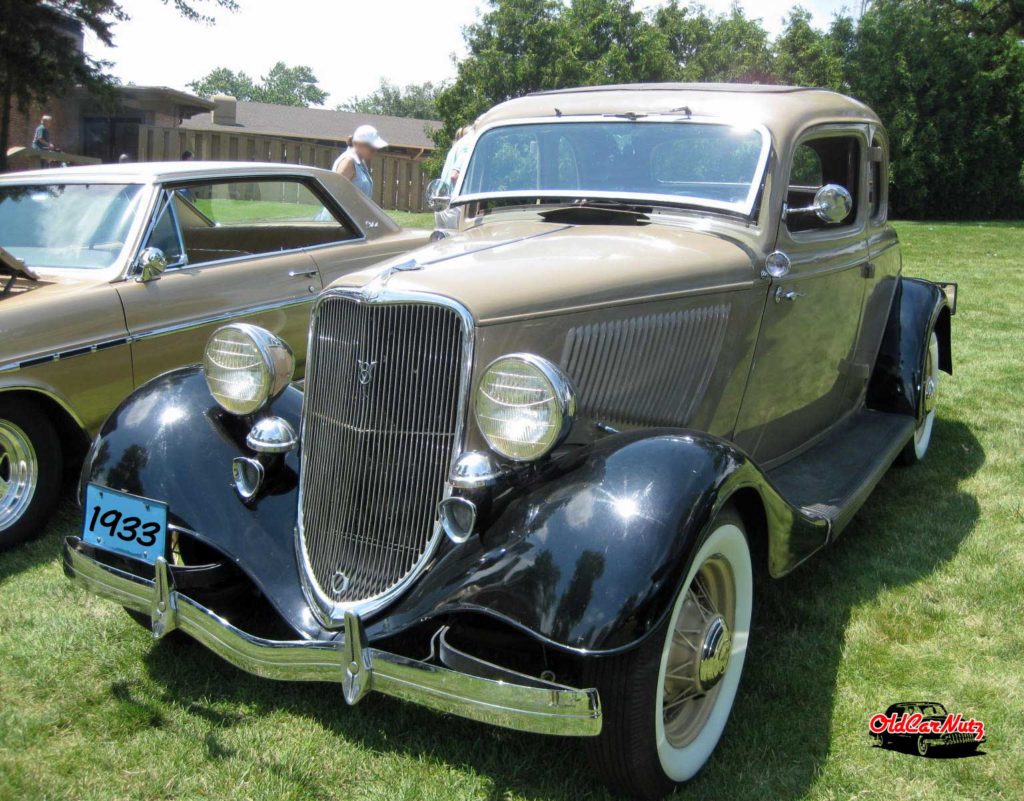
[67,225]
[713,165]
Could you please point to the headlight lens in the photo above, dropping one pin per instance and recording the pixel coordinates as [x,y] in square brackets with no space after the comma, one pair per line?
[246,366]
[524,406]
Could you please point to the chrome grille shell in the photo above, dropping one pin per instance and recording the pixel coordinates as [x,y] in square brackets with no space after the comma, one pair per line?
[354,514]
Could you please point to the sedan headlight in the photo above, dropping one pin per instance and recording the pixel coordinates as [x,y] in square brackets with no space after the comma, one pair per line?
[246,366]
[524,406]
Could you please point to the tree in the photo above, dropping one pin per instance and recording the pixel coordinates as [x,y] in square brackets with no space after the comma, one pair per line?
[952,98]
[223,81]
[416,100]
[283,85]
[725,47]
[40,58]
[806,56]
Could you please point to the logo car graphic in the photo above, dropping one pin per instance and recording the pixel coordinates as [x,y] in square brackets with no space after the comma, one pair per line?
[921,726]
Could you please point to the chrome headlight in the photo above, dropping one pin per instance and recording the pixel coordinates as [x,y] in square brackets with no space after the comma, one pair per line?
[246,366]
[524,406]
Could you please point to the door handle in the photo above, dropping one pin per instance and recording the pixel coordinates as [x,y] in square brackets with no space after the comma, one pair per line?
[301,273]
[786,294]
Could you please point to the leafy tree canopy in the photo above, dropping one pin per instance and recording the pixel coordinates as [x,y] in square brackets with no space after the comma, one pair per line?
[946,77]
[283,85]
[417,100]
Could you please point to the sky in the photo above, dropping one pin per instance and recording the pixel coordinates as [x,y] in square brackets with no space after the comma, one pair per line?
[350,46]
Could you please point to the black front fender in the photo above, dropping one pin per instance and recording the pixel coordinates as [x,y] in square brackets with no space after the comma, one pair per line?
[591,558]
[171,441]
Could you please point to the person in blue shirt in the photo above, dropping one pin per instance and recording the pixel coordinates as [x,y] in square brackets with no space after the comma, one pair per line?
[354,162]
[41,140]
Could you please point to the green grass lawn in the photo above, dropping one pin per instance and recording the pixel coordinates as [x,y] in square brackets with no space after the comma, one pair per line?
[922,598]
[412,219]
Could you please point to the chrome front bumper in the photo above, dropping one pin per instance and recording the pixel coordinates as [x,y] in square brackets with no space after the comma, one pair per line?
[533,706]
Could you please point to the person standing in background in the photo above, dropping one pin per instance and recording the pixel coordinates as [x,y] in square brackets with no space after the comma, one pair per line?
[41,140]
[353,163]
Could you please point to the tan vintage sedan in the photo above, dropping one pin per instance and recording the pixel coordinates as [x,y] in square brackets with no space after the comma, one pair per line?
[542,466]
[112,275]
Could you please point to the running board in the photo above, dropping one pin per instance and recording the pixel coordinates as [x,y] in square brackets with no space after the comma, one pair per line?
[832,479]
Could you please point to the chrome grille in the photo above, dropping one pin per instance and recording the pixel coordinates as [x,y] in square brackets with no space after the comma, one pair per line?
[380,422]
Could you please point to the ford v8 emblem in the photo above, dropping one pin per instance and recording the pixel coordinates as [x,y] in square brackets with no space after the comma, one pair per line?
[365,371]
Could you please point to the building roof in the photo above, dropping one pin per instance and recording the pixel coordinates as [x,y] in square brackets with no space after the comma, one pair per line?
[317,123]
[164,94]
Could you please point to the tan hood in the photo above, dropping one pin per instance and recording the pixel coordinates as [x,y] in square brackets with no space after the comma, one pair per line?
[504,270]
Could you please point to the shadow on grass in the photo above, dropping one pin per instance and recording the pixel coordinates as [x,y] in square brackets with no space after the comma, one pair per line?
[778,738]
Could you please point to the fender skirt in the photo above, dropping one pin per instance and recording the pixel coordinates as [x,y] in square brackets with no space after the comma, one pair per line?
[896,382]
[586,557]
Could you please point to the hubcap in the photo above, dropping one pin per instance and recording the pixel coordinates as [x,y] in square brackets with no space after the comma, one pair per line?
[19,472]
[700,651]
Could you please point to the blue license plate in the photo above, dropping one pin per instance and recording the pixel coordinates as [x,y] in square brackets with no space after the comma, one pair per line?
[126,524]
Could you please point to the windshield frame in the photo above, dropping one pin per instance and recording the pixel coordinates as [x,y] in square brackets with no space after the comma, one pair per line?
[745,207]
[120,266]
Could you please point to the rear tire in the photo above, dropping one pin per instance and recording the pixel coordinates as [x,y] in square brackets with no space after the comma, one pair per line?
[666,703]
[916,449]
[30,471]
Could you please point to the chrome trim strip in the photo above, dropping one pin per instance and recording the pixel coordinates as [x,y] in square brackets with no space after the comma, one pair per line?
[329,613]
[78,350]
[541,708]
[218,318]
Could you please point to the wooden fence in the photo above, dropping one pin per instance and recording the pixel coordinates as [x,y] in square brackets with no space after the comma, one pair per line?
[398,180]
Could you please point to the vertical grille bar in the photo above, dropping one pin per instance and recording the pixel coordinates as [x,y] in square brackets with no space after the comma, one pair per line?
[383,390]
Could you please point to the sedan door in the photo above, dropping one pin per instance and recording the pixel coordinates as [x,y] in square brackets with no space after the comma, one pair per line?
[800,382]
[236,249]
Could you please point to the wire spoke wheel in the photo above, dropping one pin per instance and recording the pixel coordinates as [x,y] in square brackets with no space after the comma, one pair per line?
[701,646]
[19,473]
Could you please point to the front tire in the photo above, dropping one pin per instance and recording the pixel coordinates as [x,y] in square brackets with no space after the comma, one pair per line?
[30,471]
[666,702]
[916,449]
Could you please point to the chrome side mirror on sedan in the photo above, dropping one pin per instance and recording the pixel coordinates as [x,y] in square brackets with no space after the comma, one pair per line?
[152,264]
[438,194]
[832,203]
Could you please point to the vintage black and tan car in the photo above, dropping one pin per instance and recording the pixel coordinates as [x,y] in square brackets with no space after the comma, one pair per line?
[111,275]
[538,463]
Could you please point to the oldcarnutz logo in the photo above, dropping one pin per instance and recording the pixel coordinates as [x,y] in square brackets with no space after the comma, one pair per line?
[915,724]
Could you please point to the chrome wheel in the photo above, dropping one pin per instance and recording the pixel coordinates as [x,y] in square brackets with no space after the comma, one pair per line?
[19,473]
[703,654]
[930,390]
[922,746]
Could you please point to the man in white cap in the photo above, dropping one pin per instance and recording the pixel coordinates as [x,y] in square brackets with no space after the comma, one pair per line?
[353,163]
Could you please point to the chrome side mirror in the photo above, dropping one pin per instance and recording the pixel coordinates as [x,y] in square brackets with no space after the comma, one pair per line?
[832,203]
[152,263]
[438,194]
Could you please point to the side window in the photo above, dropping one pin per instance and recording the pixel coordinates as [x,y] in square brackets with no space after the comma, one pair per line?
[232,219]
[816,162]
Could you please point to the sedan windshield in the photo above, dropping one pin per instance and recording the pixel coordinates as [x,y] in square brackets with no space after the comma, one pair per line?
[67,225]
[671,162]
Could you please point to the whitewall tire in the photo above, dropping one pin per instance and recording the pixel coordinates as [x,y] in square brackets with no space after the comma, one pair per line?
[666,702]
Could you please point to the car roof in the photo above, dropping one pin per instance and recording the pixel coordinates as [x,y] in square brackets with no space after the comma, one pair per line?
[145,172]
[784,110]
